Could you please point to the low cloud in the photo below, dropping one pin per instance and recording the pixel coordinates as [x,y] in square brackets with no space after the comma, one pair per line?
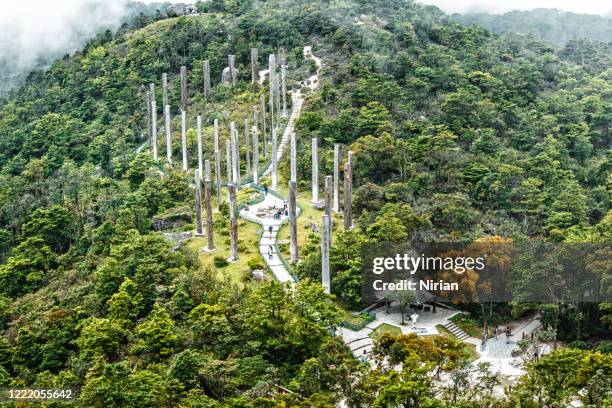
[36,29]
[600,7]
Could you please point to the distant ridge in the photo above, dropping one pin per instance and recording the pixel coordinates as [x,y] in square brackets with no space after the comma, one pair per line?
[552,25]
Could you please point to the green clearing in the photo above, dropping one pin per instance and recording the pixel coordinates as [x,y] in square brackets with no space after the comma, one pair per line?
[353,320]
[308,215]
[468,324]
[385,328]
[248,244]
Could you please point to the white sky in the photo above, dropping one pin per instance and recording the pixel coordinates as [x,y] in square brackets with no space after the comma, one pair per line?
[601,7]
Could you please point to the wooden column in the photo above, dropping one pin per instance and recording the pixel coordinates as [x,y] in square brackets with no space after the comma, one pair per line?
[277,92]
[293,154]
[153,122]
[284,88]
[237,163]
[235,155]
[328,194]
[198,203]
[228,159]
[232,157]
[231,63]
[165,89]
[348,192]
[254,72]
[325,245]
[247,145]
[200,159]
[184,88]
[272,85]
[293,220]
[336,177]
[168,133]
[233,224]
[262,101]
[315,170]
[207,87]
[328,202]
[166,116]
[217,163]
[184,139]
[148,102]
[255,125]
[255,155]
[255,118]
[207,171]
[274,160]
[208,205]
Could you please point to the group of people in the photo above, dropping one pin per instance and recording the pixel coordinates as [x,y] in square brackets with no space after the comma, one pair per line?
[278,213]
[496,332]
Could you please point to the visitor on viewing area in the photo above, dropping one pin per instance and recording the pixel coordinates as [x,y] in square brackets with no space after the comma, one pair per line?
[364,357]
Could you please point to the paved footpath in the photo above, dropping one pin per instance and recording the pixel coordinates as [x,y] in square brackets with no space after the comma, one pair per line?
[262,213]
[270,227]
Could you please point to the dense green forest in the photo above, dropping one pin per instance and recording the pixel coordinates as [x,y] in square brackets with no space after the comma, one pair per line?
[555,26]
[458,134]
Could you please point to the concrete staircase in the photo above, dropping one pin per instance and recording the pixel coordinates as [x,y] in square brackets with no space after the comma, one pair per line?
[297,101]
[456,331]
[358,345]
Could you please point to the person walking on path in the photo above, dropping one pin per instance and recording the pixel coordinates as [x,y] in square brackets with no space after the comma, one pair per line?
[265,186]
[364,357]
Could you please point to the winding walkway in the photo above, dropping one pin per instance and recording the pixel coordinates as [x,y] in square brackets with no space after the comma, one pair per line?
[270,225]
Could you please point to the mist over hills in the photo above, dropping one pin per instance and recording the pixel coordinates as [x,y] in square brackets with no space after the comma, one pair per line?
[33,39]
[555,26]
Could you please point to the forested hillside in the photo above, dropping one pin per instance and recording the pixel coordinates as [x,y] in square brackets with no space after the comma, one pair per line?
[555,26]
[458,135]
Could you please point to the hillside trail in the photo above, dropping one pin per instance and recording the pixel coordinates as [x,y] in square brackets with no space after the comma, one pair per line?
[264,212]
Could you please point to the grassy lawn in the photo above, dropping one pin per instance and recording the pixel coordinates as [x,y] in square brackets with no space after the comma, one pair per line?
[354,320]
[308,215]
[385,328]
[350,318]
[444,331]
[248,244]
[468,324]
[471,348]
